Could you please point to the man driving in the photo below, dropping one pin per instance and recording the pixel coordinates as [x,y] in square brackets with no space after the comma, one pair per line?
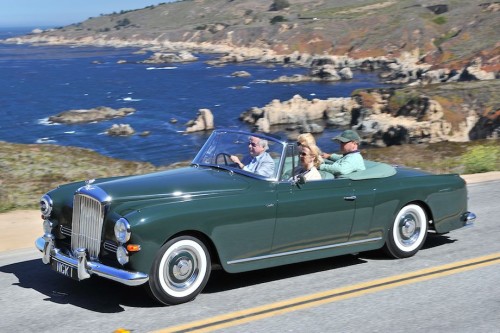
[259,161]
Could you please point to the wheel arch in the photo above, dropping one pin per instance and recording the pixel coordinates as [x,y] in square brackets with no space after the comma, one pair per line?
[205,239]
[425,207]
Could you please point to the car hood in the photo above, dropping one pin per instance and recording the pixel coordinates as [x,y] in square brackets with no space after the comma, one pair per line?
[191,181]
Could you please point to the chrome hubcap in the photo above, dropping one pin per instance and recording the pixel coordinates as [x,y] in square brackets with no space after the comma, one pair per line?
[409,229]
[183,268]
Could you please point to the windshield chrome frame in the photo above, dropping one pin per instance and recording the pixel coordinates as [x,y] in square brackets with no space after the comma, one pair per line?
[210,141]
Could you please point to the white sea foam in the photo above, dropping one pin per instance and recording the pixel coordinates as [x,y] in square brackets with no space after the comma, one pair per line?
[70,132]
[160,68]
[45,140]
[239,87]
[46,122]
[130,99]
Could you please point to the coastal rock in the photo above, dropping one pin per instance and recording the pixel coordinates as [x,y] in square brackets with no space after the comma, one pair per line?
[241,74]
[80,116]
[166,58]
[204,122]
[420,119]
[120,130]
[297,110]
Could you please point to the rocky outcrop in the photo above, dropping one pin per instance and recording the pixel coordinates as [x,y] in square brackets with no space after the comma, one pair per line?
[80,116]
[241,74]
[203,122]
[120,130]
[167,58]
[392,117]
[300,111]
[386,117]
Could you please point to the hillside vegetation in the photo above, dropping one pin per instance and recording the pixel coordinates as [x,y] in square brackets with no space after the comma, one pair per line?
[443,33]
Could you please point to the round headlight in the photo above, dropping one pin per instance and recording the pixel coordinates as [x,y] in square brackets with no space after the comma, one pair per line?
[46,206]
[121,255]
[122,230]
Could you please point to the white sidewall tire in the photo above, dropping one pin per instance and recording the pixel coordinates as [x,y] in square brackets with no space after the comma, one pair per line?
[421,224]
[201,268]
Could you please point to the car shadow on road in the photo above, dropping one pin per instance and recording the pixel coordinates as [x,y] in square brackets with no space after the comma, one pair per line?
[221,281]
[95,294]
[433,240]
[105,296]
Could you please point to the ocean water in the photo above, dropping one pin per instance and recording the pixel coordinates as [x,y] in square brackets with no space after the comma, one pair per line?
[37,82]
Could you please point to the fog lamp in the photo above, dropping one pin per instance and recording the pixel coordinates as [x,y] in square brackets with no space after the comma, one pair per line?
[122,255]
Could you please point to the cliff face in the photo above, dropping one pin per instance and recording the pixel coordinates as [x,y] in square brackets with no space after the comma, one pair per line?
[446,34]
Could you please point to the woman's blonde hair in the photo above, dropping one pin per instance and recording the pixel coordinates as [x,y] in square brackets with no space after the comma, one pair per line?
[315,153]
[306,139]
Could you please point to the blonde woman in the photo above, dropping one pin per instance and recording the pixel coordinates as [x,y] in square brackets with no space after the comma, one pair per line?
[309,162]
[307,139]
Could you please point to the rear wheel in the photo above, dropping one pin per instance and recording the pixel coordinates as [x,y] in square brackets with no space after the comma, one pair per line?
[408,232]
[180,271]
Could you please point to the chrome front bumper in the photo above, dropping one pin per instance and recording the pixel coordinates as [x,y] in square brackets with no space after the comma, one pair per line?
[84,267]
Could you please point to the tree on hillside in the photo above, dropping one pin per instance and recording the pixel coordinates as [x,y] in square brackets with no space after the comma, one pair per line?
[279,5]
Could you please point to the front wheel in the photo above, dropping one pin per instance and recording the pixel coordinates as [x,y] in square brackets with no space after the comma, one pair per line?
[180,271]
[408,232]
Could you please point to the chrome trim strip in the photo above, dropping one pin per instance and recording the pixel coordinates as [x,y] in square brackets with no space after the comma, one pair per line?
[269,256]
[91,267]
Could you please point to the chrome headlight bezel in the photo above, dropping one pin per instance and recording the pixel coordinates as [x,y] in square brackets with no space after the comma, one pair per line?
[122,230]
[46,206]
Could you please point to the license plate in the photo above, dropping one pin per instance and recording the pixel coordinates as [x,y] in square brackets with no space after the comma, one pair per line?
[64,269]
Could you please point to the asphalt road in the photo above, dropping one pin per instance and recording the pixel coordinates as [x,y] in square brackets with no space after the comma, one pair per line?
[451,285]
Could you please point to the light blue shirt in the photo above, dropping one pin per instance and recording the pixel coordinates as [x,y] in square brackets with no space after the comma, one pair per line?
[262,165]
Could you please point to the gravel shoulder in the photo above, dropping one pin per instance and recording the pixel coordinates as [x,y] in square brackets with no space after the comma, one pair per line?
[23,227]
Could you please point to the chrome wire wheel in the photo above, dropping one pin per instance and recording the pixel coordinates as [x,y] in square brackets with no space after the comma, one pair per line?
[180,271]
[408,232]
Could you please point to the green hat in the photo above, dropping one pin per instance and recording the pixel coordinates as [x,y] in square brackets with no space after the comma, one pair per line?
[347,136]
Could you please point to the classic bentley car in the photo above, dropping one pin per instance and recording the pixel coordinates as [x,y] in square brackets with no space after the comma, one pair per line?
[167,230]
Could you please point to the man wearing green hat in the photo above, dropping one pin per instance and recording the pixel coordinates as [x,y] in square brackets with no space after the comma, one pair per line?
[350,160]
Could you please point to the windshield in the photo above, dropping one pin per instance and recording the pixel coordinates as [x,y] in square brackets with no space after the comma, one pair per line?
[247,153]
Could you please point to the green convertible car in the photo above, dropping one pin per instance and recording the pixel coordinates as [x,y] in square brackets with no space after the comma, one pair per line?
[167,230]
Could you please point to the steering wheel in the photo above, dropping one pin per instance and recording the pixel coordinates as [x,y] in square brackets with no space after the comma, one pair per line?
[225,157]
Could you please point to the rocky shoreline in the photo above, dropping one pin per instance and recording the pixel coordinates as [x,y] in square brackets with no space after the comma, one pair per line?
[420,48]
[423,119]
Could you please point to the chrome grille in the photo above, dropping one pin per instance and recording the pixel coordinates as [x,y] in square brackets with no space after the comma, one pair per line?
[88,217]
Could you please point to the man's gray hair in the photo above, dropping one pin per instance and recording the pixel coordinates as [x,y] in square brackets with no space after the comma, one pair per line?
[263,143]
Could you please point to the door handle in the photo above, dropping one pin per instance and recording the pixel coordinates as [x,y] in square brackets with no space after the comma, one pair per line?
[350,198]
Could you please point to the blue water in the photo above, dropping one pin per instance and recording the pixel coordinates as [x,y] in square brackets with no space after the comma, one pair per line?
[40,81]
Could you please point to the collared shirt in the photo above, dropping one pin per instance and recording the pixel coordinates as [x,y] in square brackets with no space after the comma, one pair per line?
[344,164]
[261,165]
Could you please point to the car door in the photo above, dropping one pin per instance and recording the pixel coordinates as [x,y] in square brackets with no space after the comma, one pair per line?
[315,214]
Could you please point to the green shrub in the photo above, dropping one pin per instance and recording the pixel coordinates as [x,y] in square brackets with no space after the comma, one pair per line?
[277,19]
[482,158]
[439,20]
